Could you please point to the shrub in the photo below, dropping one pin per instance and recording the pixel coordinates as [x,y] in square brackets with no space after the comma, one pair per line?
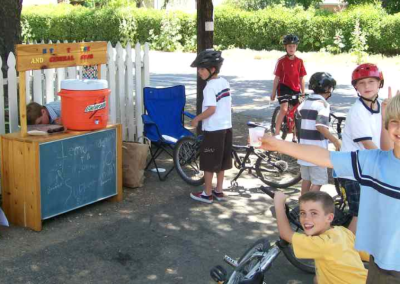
[261,29]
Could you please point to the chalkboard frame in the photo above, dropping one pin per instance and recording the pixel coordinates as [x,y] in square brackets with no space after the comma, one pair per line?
[47,213]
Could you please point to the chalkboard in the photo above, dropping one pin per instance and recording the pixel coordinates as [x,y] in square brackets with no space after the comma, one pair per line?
[77,171]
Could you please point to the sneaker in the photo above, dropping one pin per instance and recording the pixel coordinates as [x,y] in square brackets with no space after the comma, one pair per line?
[218,195]
[278,137]
[199,196]
[294,140]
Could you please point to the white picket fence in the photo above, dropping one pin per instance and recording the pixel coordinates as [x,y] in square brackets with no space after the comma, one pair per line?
[127,73]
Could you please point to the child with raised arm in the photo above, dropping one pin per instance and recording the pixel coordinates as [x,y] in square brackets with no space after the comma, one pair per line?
[216,147]
[378,227]
[363,126]
[289,79]
[314,130]
[332,248]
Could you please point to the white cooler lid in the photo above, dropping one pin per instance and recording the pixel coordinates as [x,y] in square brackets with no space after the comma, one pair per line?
[84,85]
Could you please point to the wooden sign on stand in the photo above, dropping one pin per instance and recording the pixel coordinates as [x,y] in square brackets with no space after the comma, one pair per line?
[44,176]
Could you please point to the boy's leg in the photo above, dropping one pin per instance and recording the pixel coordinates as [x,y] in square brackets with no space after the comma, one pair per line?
[220,181]
[208,176]
[306,179]
[319,177]
[305,186]
[353,192]
[284,108]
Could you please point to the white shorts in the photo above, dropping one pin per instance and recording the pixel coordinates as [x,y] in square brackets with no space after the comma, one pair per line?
[317,175]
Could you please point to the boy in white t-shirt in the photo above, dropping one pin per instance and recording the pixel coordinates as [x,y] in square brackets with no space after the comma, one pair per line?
[216,147]
[363,129]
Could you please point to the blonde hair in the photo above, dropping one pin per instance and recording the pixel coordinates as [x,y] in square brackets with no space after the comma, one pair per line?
[392,110]
[33,112]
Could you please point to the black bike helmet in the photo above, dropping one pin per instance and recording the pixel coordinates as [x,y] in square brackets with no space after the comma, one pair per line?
[322,82]
[291,39]
[208,58]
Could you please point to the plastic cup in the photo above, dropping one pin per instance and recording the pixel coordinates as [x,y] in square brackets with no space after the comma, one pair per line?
[256,133]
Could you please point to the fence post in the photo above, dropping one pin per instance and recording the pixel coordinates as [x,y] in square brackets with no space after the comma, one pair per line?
[12,86]
[138,90]
[2,110]
[111,83]
[60,75]
[130,115]
[120,76]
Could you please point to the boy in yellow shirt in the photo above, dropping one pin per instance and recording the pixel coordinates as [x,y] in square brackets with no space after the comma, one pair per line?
[332,248]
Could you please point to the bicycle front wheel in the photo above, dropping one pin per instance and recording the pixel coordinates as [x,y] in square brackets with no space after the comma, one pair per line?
[278,170]
[249,260]
[187,161]
[284,127]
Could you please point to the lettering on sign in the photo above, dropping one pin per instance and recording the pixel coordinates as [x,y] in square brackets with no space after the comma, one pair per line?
[86,56]
[37,60]
[62,58]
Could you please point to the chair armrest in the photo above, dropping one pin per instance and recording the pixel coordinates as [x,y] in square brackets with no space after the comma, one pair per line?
[147,120]
[188,114]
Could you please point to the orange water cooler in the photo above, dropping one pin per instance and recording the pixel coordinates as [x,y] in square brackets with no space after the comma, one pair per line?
[84,104]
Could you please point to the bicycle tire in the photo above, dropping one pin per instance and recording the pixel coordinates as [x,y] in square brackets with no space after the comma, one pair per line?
[187,161]
[284,127]
[280,171]
[246,263]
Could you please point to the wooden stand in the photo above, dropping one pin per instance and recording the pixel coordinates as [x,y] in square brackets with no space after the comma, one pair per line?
[44,176]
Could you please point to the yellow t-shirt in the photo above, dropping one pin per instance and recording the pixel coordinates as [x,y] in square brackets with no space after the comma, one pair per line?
[336,260]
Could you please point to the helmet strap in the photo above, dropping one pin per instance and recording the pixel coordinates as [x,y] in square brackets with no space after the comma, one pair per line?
[369,100]
[211,73]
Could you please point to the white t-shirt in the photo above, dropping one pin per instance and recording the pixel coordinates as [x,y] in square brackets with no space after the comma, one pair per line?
[217,93]
[314,112]
[362,123]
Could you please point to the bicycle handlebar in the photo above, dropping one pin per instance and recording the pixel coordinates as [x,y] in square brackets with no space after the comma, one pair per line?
[256,124]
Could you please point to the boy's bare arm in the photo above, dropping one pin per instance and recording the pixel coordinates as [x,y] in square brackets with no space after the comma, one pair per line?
[369,145]
[302,85]
[205,114]
[274,87]
[313,154]
[285,231]
[325,131]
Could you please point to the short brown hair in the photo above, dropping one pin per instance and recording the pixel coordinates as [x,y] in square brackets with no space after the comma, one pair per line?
[33,112]
[392,110]
[324,198]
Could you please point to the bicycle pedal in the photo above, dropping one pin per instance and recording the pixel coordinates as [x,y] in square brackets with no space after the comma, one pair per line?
[231,261]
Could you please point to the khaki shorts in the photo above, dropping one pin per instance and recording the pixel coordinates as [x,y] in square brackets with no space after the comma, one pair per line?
[216,151]
[377,275]
[317,175]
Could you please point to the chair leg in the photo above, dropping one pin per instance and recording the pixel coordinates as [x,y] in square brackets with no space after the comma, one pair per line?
[154,156]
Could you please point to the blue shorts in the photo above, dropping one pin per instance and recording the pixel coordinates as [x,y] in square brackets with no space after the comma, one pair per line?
[353,191]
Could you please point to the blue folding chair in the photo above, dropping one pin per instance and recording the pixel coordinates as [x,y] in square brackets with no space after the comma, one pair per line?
[164,121]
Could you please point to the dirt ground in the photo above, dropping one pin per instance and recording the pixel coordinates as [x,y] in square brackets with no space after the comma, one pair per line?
[157,234]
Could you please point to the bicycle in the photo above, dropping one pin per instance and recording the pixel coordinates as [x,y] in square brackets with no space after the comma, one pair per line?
[255,262]
[291,121]
[252,265]
[272,168]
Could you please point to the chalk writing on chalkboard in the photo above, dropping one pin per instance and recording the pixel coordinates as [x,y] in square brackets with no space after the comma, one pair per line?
[77,171]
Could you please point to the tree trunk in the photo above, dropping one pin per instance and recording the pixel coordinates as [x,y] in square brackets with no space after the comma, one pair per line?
[10,28]
[205,39]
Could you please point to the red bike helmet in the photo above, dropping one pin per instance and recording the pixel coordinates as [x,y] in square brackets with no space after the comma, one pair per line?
[367,70]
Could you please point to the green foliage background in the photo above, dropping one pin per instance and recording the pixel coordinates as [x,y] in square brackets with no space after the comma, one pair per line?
[260,29]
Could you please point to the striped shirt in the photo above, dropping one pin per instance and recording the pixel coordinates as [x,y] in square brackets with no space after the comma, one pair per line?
[314,112]
[378,226]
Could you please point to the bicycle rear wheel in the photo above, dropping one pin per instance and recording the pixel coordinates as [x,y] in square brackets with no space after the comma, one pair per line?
[278,170]
[284,127]
[247,261]
[187,161]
